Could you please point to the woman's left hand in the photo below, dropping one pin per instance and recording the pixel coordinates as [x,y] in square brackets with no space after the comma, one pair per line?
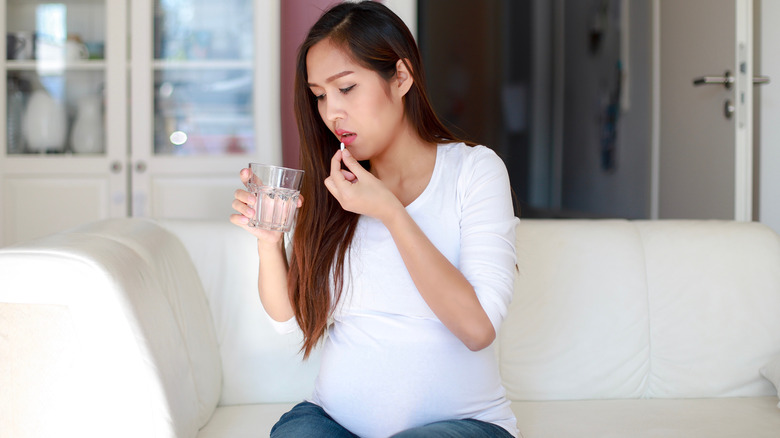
[357,190]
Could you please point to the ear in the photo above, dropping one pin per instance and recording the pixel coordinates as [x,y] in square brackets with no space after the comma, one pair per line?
[404,79]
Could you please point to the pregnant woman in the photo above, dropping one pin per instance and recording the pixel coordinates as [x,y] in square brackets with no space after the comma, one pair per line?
[403,254]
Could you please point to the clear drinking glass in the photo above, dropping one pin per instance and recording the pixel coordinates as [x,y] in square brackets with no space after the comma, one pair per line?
[277,190]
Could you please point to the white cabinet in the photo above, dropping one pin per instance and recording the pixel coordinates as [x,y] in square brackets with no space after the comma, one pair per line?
[186,93]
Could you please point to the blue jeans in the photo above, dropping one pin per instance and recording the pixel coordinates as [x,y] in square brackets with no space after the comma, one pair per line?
[307,420]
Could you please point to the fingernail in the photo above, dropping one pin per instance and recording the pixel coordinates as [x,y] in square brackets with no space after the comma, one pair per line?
[346,153]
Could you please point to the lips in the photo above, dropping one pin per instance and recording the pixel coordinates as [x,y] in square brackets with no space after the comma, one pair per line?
[346,137]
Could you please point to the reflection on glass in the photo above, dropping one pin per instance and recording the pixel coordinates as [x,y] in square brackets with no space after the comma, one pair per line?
[203,112]
[203,55]
[203,29]
[59,32]
[50,24]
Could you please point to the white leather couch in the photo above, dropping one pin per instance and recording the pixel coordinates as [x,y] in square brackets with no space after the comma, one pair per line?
[132,328]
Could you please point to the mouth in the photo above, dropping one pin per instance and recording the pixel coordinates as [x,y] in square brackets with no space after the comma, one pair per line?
[346,137]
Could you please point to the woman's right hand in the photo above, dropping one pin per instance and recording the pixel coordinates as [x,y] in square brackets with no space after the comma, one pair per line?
[272,272]
[244,203]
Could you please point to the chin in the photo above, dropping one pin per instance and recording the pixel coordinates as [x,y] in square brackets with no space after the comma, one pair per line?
[360,156]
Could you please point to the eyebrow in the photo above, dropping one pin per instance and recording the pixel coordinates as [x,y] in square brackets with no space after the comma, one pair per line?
[333,78]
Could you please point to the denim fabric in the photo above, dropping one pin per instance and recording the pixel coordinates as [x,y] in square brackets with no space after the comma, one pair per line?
[307,420]
[456,429]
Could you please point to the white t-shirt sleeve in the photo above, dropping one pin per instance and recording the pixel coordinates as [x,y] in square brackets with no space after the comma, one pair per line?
[283,327]
[487,255]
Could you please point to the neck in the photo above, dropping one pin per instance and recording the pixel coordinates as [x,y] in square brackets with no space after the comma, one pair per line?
[407,157]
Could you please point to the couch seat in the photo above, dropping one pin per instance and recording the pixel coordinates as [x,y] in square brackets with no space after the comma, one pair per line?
[244,421]
[754,417]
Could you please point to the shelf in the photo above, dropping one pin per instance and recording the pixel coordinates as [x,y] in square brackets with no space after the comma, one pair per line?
[55,66]
[32,157]
[66,2]
[203,65]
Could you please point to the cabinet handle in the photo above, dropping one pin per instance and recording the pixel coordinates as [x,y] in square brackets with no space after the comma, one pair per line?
[116,167]
[140,167]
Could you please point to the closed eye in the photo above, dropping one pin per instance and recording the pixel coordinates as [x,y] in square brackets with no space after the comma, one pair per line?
[344,90]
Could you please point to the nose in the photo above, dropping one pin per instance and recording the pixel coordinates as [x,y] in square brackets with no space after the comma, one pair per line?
[333,110]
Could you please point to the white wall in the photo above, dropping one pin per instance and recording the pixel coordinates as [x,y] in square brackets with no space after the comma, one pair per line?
[769,201]
[407,10]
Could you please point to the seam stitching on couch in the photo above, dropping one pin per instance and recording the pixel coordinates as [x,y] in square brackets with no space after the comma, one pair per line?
[646,388]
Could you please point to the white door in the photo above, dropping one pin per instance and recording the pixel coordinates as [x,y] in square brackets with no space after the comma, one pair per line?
[703,133]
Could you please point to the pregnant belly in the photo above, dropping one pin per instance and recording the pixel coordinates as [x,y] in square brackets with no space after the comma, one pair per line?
[379,375]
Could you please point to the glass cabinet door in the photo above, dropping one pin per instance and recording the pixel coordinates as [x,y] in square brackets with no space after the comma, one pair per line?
[203,77]
[197,116]
[55,77]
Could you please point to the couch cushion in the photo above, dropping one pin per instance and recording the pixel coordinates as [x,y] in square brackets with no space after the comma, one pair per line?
[244,421]
[772,372]
[578,324]
[714,294]
[260,365]
[673,418]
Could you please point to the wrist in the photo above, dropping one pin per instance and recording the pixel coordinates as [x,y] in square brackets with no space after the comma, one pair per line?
[395,216]
[266,247]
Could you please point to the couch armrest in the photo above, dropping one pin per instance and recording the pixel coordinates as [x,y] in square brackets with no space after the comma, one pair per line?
[96,336]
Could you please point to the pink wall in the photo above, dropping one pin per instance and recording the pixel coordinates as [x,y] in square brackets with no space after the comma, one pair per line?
[297,16]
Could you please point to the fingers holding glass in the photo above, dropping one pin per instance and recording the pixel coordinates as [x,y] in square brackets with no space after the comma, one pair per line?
[276,192]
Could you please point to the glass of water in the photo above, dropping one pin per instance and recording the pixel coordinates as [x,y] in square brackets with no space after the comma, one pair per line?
[277,190]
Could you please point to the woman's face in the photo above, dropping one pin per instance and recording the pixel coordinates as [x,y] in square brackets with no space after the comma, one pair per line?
[361,108]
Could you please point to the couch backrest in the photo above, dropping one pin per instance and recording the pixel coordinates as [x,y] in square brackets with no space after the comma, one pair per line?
[259,364]
[602,309]
[714,295]
[625,309]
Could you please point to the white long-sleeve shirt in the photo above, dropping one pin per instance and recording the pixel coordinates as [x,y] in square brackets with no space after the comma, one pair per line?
[388,363]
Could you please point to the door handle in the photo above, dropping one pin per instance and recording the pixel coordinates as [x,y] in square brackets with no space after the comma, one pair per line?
[726,80]
[761,80]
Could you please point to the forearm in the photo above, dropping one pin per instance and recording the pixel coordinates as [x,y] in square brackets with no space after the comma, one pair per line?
[272,281]
[443,287]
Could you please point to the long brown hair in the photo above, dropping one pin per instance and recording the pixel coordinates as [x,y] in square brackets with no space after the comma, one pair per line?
[375,38]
